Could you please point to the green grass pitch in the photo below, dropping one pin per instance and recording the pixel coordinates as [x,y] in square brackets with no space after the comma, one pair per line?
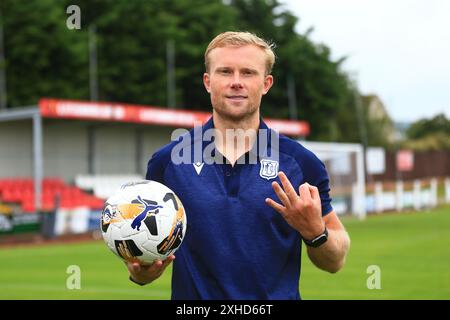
[411,249]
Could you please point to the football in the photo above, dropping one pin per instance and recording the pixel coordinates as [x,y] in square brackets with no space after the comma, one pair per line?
[143,221]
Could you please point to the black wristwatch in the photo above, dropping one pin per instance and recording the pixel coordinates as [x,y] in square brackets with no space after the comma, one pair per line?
[317,241]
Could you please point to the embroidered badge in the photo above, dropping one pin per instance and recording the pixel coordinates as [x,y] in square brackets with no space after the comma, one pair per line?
[269,169]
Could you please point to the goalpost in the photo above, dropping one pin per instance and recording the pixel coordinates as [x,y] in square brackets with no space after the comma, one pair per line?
[345,166]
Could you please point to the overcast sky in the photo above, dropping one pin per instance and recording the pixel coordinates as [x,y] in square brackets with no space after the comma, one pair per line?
[399,50]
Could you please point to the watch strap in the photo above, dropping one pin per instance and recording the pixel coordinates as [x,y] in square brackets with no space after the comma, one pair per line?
[317,241]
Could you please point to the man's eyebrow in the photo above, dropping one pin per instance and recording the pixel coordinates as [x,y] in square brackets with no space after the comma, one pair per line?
[223,68]
[250,70]
[245,69]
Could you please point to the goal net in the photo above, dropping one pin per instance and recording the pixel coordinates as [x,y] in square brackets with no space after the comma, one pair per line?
[345,166]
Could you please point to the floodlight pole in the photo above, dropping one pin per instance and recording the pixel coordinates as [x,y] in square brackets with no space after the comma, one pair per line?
[93,77]
[171,86]
[38,160]
[3,96]
[292,97]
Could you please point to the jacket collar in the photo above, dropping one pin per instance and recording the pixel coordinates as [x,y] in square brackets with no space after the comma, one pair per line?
[261,148]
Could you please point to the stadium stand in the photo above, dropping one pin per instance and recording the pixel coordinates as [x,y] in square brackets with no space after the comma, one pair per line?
[104,186]
[5,209]
[21,191]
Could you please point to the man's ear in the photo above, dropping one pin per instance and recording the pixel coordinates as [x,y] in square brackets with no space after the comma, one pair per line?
[206,82]
[268,82]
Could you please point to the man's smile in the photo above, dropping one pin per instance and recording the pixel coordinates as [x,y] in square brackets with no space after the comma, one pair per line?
[236,97]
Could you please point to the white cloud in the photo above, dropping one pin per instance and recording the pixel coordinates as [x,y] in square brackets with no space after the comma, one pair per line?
[399,49]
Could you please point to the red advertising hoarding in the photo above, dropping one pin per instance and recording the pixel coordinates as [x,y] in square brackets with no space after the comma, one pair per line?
[119,112]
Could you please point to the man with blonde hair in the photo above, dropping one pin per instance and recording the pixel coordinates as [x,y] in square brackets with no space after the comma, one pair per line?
[239,39]
[246,220]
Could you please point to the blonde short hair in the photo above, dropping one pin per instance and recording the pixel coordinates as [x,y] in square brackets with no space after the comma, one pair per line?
[239,39]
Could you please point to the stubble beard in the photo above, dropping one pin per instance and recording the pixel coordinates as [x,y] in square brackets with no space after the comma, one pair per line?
[222,111]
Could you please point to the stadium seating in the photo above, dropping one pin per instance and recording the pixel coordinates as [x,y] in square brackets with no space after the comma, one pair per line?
[5,209]
[55,193]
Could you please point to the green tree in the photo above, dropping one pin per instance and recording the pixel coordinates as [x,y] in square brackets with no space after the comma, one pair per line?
[425,127]
[132,38]
[43,58]
[429,134]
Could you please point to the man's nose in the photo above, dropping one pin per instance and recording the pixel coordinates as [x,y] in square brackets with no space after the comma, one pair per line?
[236,81]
